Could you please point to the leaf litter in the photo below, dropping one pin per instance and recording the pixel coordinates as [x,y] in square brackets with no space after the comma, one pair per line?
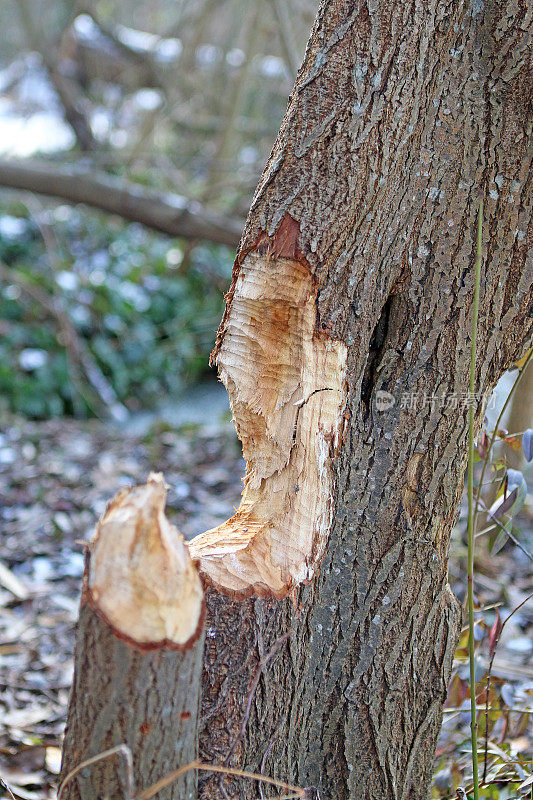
[55,484]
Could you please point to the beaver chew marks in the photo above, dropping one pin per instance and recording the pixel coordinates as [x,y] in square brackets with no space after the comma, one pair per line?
[140,577]
[286,384]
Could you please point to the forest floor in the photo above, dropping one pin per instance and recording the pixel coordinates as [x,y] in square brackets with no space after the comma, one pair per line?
[55,480]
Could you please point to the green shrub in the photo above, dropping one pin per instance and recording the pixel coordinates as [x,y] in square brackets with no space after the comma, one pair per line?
[144,311]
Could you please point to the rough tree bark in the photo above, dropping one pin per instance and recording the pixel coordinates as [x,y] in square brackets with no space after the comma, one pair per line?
[403,116]
[345,347]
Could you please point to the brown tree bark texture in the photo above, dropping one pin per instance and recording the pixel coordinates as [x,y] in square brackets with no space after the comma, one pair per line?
[146,700]
[403,116]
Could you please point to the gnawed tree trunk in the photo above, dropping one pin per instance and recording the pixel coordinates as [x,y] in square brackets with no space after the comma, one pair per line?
[138,654]
[345,347]
[358,255]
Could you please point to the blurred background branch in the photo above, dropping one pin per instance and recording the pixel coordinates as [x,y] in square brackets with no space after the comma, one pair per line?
[179,96]
[166,213]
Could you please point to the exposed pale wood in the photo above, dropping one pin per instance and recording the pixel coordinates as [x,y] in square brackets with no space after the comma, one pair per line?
[286,383]
[141,577]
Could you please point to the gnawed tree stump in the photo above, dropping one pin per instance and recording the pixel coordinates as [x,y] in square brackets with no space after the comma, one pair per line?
[138,653]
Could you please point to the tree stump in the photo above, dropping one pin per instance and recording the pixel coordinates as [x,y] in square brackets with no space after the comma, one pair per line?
[138,654]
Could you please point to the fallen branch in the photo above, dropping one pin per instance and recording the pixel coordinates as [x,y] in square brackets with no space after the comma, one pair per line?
[167,213]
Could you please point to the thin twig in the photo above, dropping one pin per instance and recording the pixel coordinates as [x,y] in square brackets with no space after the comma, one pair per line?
[79,357]
[263,760]
[291,796]
[471,513]
[459,710]
[166,781]
[120,749]
[146,794]
[222,788]
[468,788]
[6,785]
[262,664]
[489,676]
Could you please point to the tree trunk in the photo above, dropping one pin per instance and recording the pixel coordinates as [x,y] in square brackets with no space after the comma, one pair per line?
[345,350]
[346,337]
[133,685]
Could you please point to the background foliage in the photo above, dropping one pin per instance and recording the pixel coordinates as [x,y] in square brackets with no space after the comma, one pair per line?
[144,311]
